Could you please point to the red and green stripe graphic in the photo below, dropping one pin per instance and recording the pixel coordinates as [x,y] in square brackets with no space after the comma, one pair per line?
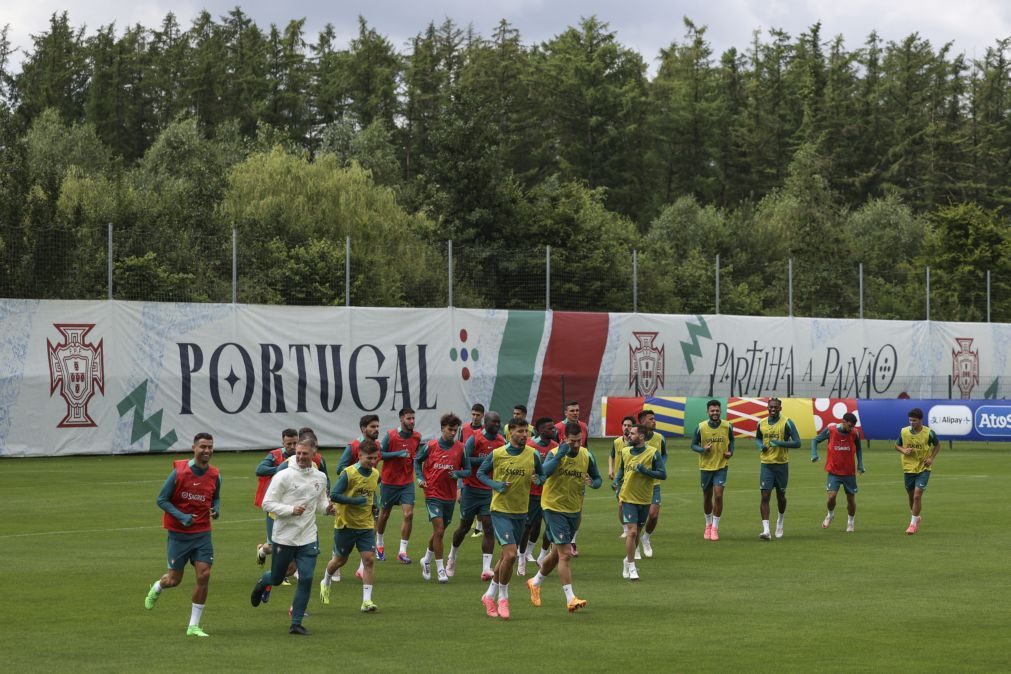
[571,363]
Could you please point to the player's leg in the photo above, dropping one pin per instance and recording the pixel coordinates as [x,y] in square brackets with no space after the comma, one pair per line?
[651,522]
[385,510]
[487,545]
[706,482]
[202,571]
[781,507]
[280,563]
[407,525]
[714,533]
[832,485]
[305,560]
[764,511]
[264,549]
[366,545]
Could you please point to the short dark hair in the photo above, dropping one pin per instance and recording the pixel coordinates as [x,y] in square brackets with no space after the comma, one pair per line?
[202,435]
[573,429]
[405,410]
[643,429]
[477,407]
[629,418]
[713,402]
[449,420]
[850,417]
[309,435]
[367,419]
[521,408]
[304,430]
[289,433]
[646,413]
[775,400]
[572,403]
[368,446]
[542,420]
[517,423]
[916,413]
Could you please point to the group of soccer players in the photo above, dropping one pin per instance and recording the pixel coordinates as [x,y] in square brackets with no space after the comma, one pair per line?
[509,483]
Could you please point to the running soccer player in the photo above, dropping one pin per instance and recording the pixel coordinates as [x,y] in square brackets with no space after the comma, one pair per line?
[614,460]
[475,501]
[354,494]
[714,443]
[566,471]
[653,439]
[191,498]
[476,423]
[572,416]
[294,497]
[640,466]
[841,465]
[264,472]
[369,426]
[438,465]
[918,446]
[775,437]
[466,431]
[400,446]
[519,466]
[543,441]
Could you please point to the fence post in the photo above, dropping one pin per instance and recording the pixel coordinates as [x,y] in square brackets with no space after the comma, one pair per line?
[635,281]
[789,281]
[861,290]
[987,295]
[347,272]
[235,265]
[717,288]
[928,293]
[449,256]
[108,255]
[547,278]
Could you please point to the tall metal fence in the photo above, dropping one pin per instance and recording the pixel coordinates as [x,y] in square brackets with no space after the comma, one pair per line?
[152,264]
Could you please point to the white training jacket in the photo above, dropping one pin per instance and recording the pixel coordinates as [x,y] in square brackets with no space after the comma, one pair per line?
[291,487]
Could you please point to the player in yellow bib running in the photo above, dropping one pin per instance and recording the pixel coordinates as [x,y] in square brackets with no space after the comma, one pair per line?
[354,495]
[614,462]
[776,436]
[714,443]
[509,471]
[918,446]
[641,466]
[567,469]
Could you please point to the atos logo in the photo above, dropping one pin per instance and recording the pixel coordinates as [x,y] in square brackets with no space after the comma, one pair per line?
[993,421]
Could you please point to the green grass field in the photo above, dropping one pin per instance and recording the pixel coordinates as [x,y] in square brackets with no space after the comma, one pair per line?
[82,542]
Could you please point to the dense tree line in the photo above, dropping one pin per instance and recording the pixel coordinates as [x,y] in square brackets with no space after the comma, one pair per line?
[896,155]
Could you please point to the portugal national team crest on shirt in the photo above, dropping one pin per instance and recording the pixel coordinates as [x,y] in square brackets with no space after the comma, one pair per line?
[77,368]
[645,364]
[965,366]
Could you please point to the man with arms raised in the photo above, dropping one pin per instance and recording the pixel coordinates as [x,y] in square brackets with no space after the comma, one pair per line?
[509,471]
[438,465]
[294,497]
[566,471]
[191,498]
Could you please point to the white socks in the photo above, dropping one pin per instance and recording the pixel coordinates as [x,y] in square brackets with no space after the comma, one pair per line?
[486,562]
[452,552]
[538,579]
[492,589]
[709,520]
[195,613]
[440,566]
[503,591]
[428,556]
[366,593]
[403,546]
[716,522]
[569,594]
[765,527]
[379,541]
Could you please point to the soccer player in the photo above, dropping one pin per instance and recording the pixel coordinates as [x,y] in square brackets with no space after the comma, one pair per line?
[294,497]
[648,419]
[714,443]
[572,416]
[475,501]
[191,498]
[841,465]
[543,441]
[438,465]
[614,460]
[518,466]
[354,494]
[775,437]
[264,472]
[918,446]
[476,423]
[399,447]
[640,466]
[466,431]
[369,426]
[566,470]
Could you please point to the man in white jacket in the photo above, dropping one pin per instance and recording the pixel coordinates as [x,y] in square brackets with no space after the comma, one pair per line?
[294,497]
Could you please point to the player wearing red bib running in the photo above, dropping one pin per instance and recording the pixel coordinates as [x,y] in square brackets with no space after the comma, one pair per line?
[438,465]
[843,459]
[397,451]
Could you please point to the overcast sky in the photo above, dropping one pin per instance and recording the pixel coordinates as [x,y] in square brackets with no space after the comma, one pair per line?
[644,25]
